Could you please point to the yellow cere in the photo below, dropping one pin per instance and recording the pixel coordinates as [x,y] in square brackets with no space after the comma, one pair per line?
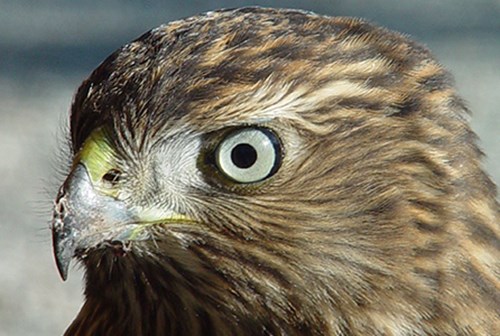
[99,157]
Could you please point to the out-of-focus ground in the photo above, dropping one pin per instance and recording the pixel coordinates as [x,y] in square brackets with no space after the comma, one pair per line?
[48,47]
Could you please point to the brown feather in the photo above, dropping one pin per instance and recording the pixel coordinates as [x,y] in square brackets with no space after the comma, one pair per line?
[380,220]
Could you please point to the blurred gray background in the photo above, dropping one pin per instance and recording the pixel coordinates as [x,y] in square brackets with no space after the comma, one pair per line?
[48,47]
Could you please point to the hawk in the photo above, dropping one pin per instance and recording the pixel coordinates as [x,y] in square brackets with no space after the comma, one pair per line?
[276,172]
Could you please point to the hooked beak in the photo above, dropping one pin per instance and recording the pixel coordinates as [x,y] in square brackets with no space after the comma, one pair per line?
[83,218]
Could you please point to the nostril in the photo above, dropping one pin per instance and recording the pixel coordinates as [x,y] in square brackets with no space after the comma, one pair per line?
[111,178]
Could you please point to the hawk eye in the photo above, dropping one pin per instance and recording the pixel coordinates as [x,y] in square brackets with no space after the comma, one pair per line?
[249,155]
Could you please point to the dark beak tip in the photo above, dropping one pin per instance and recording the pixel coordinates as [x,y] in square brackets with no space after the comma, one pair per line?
[62,268]
[64,249]
[63,258]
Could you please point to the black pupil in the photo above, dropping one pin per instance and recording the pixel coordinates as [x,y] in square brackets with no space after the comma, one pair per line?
[243,156]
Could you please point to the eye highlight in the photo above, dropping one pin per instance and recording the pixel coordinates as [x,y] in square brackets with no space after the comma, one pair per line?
[249,155]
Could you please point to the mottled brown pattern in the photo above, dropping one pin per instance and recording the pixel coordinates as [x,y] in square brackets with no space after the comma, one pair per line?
[380,220]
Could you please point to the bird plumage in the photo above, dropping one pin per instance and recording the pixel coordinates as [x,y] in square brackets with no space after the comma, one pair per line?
[379,220]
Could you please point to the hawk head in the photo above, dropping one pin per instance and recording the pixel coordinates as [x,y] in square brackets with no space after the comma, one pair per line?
[261,171]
